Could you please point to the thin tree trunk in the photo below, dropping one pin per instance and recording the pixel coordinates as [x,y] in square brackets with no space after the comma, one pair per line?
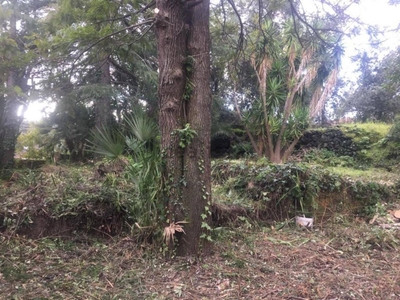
[289,150]
[103,114]
[9,133]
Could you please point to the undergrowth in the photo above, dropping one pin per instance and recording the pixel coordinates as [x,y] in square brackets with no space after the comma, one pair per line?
[339,258]
[283,191]
[78,197]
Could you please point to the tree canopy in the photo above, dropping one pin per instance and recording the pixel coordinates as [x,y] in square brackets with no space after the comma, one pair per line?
[377,96]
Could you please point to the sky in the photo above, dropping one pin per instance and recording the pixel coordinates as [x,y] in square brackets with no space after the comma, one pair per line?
[38,110]
[374,12]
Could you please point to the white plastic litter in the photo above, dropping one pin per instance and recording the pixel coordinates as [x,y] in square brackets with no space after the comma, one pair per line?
[304,222]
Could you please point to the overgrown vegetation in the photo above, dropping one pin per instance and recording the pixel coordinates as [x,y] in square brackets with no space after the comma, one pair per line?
[97,226]
[122,191]
[282,191]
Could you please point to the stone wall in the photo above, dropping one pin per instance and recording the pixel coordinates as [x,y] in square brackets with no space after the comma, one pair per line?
[331,139]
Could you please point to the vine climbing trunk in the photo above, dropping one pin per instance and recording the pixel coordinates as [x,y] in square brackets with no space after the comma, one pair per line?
[183,43]
[197,193]
[171,45]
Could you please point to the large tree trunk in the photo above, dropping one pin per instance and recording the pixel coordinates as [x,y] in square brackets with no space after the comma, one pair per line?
[183,43]
[197,193]
[171,44]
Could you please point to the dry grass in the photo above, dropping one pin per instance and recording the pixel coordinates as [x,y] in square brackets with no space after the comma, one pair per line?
[335,261]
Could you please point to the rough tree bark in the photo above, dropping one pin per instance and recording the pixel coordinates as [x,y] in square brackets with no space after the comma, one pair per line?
[183,42]
[197,193]
[103,112]
[10,123]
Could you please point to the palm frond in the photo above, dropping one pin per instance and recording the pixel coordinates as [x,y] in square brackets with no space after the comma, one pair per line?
[107,142]
[141,127]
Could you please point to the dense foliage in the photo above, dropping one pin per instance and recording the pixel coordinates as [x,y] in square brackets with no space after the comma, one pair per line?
[97,60]
[377,96]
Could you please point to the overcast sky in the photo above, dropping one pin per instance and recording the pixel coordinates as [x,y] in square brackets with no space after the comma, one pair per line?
[378,13]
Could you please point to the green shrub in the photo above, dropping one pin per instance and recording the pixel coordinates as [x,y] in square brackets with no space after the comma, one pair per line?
[137,151]
[282,191]
[30,144]
[328,158]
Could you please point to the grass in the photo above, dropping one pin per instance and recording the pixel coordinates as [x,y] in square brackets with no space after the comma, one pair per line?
[370,175]
[381,128]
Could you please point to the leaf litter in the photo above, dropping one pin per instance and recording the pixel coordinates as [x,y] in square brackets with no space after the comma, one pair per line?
[345,261]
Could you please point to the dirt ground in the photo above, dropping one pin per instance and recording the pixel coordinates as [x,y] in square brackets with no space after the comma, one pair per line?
[340,260]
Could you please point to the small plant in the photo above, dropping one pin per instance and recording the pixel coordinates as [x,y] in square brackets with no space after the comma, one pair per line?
[136,148]
[30,144]
[186,135]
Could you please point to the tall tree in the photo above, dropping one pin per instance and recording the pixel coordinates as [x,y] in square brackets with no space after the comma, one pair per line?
[183,41]
[377,96]
[102,60]
[19,35]
[294,81]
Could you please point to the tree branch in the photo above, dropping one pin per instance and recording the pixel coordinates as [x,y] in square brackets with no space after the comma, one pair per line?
[314,30]
[241,33]
[149,21]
